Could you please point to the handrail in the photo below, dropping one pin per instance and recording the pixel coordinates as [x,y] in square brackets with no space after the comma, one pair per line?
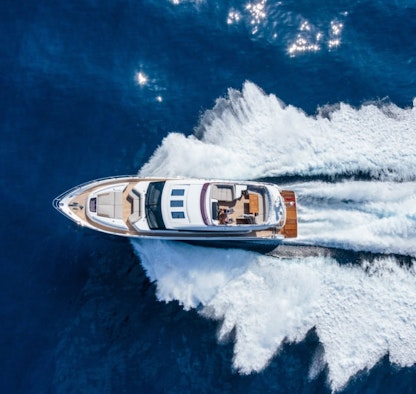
[56,200]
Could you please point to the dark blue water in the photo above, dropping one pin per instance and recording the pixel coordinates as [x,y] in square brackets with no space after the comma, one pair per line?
[78,313]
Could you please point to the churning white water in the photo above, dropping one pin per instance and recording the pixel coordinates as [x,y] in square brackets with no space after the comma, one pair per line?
[360,312]
[253,135]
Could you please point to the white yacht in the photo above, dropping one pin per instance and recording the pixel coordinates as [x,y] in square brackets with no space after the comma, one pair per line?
[182,209]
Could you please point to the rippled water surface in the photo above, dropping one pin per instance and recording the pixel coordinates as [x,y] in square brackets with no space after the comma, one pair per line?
[314,96]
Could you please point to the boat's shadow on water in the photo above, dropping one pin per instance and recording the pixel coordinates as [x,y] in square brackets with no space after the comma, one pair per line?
[257,246]
[299,251]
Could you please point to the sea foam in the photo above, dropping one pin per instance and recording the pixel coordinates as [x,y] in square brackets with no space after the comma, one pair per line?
[360,313]
[251,135]
[371,216]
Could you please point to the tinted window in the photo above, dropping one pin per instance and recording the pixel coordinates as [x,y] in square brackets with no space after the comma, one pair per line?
[152,205]
[178,215]
[176,203]
[178,192]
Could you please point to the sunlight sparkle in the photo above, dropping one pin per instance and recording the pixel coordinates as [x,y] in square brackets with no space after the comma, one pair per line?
[141,78]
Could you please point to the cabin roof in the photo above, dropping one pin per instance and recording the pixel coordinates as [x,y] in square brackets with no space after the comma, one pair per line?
[181,204]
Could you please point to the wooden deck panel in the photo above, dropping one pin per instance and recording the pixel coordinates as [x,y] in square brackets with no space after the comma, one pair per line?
[290,229]
[253,204]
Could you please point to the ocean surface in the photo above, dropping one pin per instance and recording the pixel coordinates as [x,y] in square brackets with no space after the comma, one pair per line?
[318,96]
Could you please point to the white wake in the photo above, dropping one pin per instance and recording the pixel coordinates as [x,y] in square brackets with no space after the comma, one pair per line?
[374,216]
[360,313]
[253,135]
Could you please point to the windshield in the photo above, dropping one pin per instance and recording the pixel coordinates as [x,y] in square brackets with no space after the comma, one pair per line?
[153,206]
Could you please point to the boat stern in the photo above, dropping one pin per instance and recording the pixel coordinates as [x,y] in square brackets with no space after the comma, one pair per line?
[290,228]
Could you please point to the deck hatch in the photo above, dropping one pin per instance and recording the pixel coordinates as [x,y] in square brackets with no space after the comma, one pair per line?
[93,205]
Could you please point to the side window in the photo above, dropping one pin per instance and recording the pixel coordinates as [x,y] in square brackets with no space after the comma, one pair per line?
[178,215]
[176,203]
[177,192]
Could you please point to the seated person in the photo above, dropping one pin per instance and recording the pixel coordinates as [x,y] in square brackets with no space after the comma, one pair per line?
[223,217]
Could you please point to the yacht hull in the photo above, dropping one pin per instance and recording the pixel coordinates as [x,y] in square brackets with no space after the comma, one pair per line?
[120,206]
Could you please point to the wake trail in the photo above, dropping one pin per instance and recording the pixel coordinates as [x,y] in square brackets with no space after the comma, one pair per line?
[372,216]
[251,135]
[360,313]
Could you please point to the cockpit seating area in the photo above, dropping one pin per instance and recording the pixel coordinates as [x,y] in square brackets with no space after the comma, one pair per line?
[223,193]
[241,203]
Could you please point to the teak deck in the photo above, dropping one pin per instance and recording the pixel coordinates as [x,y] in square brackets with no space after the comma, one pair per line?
[290,229]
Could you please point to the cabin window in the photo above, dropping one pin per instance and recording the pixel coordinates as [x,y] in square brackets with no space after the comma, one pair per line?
[177,192]
[176,203]
[178,215]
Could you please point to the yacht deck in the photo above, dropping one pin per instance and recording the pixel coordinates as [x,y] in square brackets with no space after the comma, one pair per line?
[248,208]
